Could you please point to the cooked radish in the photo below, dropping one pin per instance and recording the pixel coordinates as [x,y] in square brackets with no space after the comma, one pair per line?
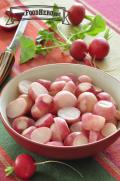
[45,121]
[70,86]
[36,89]
[106,109]
[92,122]
[107,97]
[108,129]
[63,78]
[17,108]
[70,114]
[84,78]
[45,83]
[80,140]
[76,127]
[21,123]
[23,86]
[83,87]
[59,129]
[28,100]
[86,102]
[93,136]
[27,132]
[65,99]
[44,102]
[57,87]
[41,135]
[55,143]
[70,138]
[36,113]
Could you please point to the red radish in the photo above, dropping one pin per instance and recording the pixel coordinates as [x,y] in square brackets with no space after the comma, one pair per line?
[107,97]
[23,86]
[108,129]
[76,127]
[45,121]
[83,87]
[27,132]
[44,102]
[21,123]
[37,113]
[93,136]
[45,83]
[55,143]
[8,25]
[80,140]
[88,61]
[28,100]
[16,108]
[70,114]
[57,87]
[96,90]
[59,129]
[64,99]
[84,78]
[70,86]
[76,14]
[41,135]
[106,109]
[99,48]
[86,102]
[24,166]
[63,78]
[70,138]
[78,49]
[92,122]
[36,89]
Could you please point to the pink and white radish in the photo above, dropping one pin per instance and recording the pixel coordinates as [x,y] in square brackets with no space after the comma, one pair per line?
[36,89]
[56,87]
[92,122]
[96,90]
[108,129]
[70,138]
[28,100]
[84,78]
[41,135]
[64,99]
[106,109]
[80,140]
[37,113]
[45,121]
[63,78]
[86,102]
[73,77]
[76,127]
[93,136]
[59,129]
[23,86]
[70,114]
[27,132]
[107,97]
[45,83]
[83,87]
[70,86]
[21,123]
[55,143]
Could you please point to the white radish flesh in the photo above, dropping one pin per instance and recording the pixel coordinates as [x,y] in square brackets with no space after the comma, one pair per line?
[108,129]
[76,127]
[70,138]
[36,89]
[93,136]
[27,132]
[55,143]
[45,83]
[86,102]
[83,87]
[41,135]
[28,100]
[21,123]
[107,97]
[70,114]
[84,78]
[23,86]
[80,140]
[36,113]
[64,78]
[65,99]
[70,86]
[45,121]
[56,87]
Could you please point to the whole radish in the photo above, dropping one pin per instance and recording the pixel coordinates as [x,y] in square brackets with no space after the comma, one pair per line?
[76,14]
[25,166]
[99,48]
[78,49]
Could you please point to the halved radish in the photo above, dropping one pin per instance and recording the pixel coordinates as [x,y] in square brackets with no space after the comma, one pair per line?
[27,132]
[70,114]
[37,113]
[28,100]
[96,90]
[45,121]
[80,140]
[21,123]
[86,102]
[55,143]
[70,138]
[65,99]
[64,78]
[41,135]
[83,87]
[23,86]
[108,129]
[45,83]
[73,77]
[36,89]
[59,129]
[93,136]
[8,24]
[84,78]
[76,127]
[57,87]
[106,97]
[70,86]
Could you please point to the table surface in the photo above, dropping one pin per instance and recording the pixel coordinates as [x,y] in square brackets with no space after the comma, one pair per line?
[104,166]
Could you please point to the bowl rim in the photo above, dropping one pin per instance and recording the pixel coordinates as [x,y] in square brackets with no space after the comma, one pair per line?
[6,124]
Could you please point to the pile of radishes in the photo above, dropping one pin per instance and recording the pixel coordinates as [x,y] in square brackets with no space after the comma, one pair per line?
[69,111]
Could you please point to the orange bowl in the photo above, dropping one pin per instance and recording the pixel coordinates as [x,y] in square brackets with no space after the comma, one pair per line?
[100,78]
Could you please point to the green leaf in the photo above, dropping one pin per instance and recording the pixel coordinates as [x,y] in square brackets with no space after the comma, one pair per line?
[89,17]
[98,26]
[76,34]
[107,34]
[27,49]
[46,35]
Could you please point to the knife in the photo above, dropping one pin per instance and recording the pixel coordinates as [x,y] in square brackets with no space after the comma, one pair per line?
[7,58]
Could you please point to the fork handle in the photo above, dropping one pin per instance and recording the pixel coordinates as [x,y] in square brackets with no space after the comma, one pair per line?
[7,60]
